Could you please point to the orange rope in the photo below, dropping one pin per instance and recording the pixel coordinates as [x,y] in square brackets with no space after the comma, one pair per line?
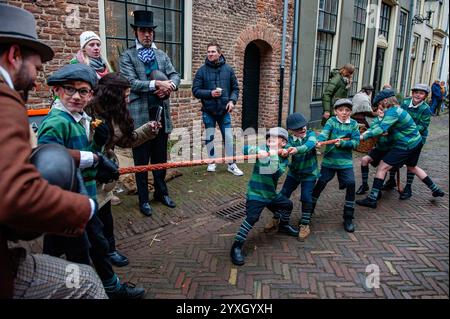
[156,167]
[332,141]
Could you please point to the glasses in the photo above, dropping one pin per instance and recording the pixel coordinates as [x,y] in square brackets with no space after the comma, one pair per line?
[70,91]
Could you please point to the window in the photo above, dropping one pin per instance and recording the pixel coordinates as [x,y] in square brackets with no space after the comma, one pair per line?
[412,62]
[399,50]
[358,34]
[326,29]
[385,19]
[168,15]
[426,44]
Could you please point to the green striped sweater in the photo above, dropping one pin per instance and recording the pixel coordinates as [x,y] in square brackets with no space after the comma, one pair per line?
[304,165]
[421,116]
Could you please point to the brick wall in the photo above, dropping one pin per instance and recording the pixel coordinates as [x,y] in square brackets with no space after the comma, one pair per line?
[234,23]
[56,28]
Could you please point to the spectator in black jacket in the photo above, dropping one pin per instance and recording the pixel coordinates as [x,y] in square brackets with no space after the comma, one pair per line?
[216,85]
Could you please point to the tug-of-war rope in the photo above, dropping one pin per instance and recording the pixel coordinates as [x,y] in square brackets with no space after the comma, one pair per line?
[155,167]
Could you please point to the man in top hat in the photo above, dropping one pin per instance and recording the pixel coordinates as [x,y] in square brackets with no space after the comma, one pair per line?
[147,94]
[28,203]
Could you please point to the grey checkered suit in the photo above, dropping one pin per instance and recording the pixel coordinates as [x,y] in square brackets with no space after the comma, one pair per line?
[134,70]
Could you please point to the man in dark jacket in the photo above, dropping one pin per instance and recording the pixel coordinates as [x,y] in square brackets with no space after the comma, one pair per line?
[436,98]
[216,85]
[337,88]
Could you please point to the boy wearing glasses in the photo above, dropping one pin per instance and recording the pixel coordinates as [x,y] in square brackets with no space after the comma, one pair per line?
[303,170]
[67,124]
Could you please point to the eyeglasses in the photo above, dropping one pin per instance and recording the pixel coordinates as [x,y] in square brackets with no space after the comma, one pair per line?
[70,91]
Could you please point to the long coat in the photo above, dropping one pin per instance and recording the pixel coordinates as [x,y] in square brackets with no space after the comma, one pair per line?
[134,70]
[27,202]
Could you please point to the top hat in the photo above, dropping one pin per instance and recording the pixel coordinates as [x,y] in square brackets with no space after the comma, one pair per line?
[143,19]
[19,26]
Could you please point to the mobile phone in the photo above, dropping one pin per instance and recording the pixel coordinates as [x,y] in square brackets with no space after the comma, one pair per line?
[158,114]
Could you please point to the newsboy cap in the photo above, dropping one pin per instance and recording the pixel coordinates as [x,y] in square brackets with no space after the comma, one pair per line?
[342,102]
[383,94]
[421,87]
[278,132]
[295,121]
[73,72]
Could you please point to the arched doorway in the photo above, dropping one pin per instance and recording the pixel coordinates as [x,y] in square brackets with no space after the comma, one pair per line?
[250,98]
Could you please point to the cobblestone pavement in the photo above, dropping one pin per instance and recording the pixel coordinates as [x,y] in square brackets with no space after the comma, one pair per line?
[184,252]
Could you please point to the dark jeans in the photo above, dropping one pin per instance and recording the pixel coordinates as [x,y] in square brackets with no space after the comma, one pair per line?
[154,151]
[291,184]
[254,208]
[92,243]
[106,218]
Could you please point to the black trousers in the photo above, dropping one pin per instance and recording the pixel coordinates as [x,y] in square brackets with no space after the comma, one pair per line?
[106,218]
[154,151]
[92,243]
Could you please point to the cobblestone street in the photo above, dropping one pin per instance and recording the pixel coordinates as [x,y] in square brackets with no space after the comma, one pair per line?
[184,252]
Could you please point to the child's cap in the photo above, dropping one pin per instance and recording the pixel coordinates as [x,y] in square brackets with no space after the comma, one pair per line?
[421,87]
[295,121]
[278,132]
[342,102]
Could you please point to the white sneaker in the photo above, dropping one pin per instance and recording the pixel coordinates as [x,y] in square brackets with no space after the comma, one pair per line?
[211,167]
[232,168]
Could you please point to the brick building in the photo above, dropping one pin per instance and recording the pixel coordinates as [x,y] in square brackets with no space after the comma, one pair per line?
[252,27]
[387,40]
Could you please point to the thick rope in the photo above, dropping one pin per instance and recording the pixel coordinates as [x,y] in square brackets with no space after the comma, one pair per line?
[230,159]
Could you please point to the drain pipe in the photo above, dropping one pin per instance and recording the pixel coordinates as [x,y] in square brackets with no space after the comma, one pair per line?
[294,58]
[283,60]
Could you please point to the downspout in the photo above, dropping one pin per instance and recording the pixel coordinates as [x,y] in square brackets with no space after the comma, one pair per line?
[283,60]
[408,49]
[294,58]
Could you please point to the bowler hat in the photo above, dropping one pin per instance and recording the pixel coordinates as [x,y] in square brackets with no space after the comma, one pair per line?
[383,94]
[368,87]
[19,26]
[143,19]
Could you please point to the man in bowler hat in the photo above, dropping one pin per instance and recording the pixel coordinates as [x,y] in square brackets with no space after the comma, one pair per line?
[147,94]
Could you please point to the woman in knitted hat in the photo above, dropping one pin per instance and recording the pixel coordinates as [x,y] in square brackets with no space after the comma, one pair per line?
[90,54]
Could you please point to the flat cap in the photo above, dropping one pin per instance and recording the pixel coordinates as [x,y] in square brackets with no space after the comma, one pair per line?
[73,72]
[421,87]
[278,132]
[383,94]
[342,102]
[295,121]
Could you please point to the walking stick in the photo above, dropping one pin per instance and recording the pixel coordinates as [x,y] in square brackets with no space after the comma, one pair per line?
[399,186]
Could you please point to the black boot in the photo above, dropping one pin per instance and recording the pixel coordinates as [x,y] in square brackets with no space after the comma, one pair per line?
[127,291]
[406,194]
[348,219]
[438,193]
[236,255]
[117,259]
[285,228]
[362,189]
[390,184]
[367,202]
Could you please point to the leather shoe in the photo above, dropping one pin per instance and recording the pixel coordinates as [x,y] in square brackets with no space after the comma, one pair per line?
[146,209]
[288,229]
[166,200]
[236,255]
[348,225]
[367,202]
[118,259]
[390,184]
[127,291]
[362,189]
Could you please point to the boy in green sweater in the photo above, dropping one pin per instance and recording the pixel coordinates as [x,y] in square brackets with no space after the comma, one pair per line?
[262,189]
[303,170]
[338,158]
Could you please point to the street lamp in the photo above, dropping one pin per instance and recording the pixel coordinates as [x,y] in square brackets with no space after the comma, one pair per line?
[419,19]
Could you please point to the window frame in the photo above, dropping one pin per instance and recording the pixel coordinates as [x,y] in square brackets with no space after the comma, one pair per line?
[185,6]
[385,20]
[358,38]
[325,13]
